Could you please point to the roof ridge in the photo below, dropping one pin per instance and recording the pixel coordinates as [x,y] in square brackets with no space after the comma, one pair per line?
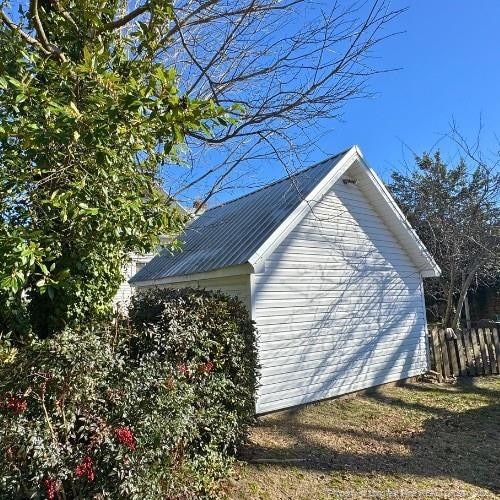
[277,181]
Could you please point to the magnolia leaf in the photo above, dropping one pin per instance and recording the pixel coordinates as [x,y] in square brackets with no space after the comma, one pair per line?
[43,268]
[73,108]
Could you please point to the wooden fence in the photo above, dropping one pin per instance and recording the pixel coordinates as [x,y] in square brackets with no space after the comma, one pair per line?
[466,352]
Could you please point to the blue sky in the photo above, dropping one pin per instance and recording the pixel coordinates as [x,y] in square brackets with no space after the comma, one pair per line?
[450,60]
[449,55]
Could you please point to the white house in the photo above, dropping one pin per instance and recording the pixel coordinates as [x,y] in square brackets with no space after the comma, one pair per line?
[135,263]
[331,272]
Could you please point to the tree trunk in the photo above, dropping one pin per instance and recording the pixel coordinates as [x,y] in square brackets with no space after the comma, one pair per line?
[449,300]
[463,292]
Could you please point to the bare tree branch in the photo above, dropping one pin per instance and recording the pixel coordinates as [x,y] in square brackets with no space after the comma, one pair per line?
[122,21]
[37,23]
[288,64]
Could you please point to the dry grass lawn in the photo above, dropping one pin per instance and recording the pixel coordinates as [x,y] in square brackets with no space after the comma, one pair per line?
[419,440]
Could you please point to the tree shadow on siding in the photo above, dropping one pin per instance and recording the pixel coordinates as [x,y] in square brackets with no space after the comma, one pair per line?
[463,445]
[329,359]
[391,344]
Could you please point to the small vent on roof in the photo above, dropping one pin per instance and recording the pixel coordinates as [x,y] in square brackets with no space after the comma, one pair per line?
[347,180]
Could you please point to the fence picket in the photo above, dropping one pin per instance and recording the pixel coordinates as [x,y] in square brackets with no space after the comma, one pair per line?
[444,352]
[477,352]
[469,353]
[496,342]
[461,354]
[473,352]
[436,351]
[491,351]
[484,352]
[453,357]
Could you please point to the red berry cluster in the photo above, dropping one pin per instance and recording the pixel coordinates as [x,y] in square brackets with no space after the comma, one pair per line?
[125,436]
[207,367]
[85,468]
[16,404]
[50,487]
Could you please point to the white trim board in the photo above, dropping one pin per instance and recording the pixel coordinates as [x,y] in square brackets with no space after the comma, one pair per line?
[217,273]
[353,157]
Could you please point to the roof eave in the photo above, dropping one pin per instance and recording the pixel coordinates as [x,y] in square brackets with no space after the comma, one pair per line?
[235,270]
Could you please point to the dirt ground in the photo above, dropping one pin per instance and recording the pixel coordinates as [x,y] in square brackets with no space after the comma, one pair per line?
[416,441]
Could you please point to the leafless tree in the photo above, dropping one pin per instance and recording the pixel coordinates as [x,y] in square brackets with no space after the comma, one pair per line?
[456,212]
[289,63]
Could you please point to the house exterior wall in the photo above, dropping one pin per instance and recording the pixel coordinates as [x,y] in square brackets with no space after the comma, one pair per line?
[235,286]
[339,306]
[125,292]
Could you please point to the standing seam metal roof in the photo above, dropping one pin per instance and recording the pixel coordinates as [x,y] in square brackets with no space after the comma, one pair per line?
[230,233]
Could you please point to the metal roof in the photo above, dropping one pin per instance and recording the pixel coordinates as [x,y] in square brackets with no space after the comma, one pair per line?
[228,234]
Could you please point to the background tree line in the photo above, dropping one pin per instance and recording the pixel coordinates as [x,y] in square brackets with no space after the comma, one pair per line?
[455,210]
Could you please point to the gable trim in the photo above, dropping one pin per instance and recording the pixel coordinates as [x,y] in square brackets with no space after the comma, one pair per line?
[432,269]
[259,257]
[257,260]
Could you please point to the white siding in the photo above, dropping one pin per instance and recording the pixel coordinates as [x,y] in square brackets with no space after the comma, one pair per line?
[125,292]
[235,286]
[338,307]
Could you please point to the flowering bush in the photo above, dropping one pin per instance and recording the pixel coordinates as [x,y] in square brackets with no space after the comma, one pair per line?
[152,410]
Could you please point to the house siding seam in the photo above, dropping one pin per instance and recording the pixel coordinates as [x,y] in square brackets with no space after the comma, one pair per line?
[338,306]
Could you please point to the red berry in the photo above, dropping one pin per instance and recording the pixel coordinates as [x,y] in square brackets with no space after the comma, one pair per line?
[206,367]
[124,435]
[50,487]
[85,468]
[16,405]
[183,369]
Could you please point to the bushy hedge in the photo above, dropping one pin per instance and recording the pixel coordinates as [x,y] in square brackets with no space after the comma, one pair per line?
[155,409]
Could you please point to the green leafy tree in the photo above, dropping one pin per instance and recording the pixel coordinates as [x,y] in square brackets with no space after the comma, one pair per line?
[456,213]
[87,118]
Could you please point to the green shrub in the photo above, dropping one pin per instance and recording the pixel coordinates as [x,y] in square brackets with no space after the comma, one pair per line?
[151,410]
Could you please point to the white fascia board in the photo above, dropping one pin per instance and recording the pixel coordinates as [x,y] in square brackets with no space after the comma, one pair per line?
[350,157]
[282,231]
[431,273]
[217,273]
[432,270]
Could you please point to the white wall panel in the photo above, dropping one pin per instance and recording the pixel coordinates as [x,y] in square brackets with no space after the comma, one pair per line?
[338,306]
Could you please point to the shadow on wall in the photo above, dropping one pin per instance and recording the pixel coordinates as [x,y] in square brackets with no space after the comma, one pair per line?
[351,313]
[460,445]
